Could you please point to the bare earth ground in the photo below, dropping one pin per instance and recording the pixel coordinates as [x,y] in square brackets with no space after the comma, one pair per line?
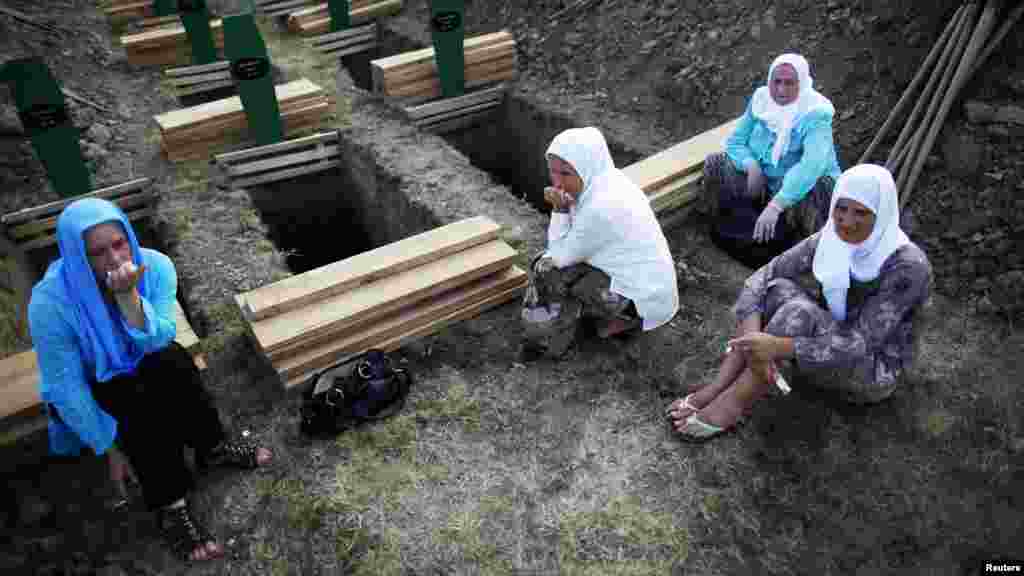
[498,467]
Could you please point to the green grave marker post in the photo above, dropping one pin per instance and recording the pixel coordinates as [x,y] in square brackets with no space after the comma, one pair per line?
[446,28]
[196,19]
[165,7]
[44,117]
[339,11]
[250,66]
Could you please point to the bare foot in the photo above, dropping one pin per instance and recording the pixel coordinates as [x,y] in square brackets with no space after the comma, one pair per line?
[209,551]
[724,411]
[263,456]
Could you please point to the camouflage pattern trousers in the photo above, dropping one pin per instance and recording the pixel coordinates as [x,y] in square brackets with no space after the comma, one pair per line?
[860,379]
[557,299]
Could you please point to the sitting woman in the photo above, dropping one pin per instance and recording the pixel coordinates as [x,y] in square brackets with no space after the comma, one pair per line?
[780,159]
[855,336]
[103,325]
[606,256]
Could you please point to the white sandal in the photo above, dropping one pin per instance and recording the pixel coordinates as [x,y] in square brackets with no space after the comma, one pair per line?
[697,430]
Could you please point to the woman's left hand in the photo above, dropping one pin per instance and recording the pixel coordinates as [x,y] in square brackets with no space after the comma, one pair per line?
[761,346]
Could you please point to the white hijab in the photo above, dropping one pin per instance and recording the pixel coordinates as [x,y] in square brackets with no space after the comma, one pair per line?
[835,260]
[587,151]
[781,119]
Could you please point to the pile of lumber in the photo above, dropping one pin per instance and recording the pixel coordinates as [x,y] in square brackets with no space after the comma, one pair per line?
[967,41]
[124,10]
[165,46]
[489,58]
[280,7]
[317,20]
[672,178]
[197,131]
[383,298]
[19,373]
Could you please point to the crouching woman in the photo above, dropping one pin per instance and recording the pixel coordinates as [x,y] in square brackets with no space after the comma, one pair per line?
[854,333]
[103,326]
[606,256]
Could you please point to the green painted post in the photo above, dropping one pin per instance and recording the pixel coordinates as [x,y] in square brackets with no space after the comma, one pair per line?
[165,7]
[338,10]
[447,31]
[45,119]
[196,19]
[250,67]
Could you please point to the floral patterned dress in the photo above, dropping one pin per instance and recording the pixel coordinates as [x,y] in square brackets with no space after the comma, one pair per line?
[862,356]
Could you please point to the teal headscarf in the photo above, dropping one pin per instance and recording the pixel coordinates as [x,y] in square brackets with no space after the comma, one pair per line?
[104,342]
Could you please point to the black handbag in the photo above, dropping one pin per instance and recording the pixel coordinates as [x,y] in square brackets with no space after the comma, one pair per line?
[367,387]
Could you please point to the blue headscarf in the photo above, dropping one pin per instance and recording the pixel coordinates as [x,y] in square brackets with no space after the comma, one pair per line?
[101,332]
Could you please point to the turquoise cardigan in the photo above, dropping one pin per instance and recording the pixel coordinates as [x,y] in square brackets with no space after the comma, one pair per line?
[810,155]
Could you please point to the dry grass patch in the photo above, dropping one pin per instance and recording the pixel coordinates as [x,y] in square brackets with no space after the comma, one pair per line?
[623,539]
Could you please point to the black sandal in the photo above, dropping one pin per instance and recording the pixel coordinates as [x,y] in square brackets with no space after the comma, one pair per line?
[183,533]
[240,454]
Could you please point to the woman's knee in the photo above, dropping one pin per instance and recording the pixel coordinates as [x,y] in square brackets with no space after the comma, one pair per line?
[793,318]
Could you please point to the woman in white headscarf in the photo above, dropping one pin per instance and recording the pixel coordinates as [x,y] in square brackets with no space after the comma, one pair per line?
[854,333]
[606,256]
[780,159]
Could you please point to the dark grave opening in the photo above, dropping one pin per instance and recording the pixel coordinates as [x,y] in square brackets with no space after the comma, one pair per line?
[358,65]
[315,219]
[510,144]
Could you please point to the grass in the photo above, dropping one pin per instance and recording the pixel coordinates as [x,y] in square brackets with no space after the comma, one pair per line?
[621,539]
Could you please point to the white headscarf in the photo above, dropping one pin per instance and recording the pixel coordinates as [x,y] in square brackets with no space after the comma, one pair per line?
[835,260]
[587,151]
[781,119]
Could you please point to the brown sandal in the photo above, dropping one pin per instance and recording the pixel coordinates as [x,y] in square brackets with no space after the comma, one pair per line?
[181,531]
[239,454]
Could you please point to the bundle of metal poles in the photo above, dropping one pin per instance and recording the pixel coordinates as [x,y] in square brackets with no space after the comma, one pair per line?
[963,47]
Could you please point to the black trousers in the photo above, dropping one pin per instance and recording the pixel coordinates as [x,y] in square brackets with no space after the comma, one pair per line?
[160,409]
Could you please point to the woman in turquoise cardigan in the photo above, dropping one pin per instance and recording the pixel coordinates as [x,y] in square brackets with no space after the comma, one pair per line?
[112,376]
[780,159]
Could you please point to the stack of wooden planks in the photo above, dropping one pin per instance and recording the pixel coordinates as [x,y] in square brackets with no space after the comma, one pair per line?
[197,131]
[124,10]
[489,58]
[19,373]
[672,178]
[315,20]
[383,298]
[165,46]
[280,7]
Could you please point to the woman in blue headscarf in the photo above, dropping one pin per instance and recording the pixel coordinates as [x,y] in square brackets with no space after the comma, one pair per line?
[780,159]
[103,327]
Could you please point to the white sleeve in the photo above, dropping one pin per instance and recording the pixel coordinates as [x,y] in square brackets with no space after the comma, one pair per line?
[579,241]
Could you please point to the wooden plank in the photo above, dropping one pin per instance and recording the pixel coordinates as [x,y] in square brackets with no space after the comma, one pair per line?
[199,88]
[57,206]
[292,332]
[165,35]
[354,32]
[185,81]
[284,174]
[427,70]
[397,61]
[292,121]
[52,238]
[679,193]
[441,106]
[230,157]
[217,128]
[192,115]
[50,223]
[319,284]
[456,123]
[371,12]
[478,110]
[476,76]
[338,52]
[222,65]
[403,321]
[679,160]
[283,161]
[396,342]
[318,11]
[19,373]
